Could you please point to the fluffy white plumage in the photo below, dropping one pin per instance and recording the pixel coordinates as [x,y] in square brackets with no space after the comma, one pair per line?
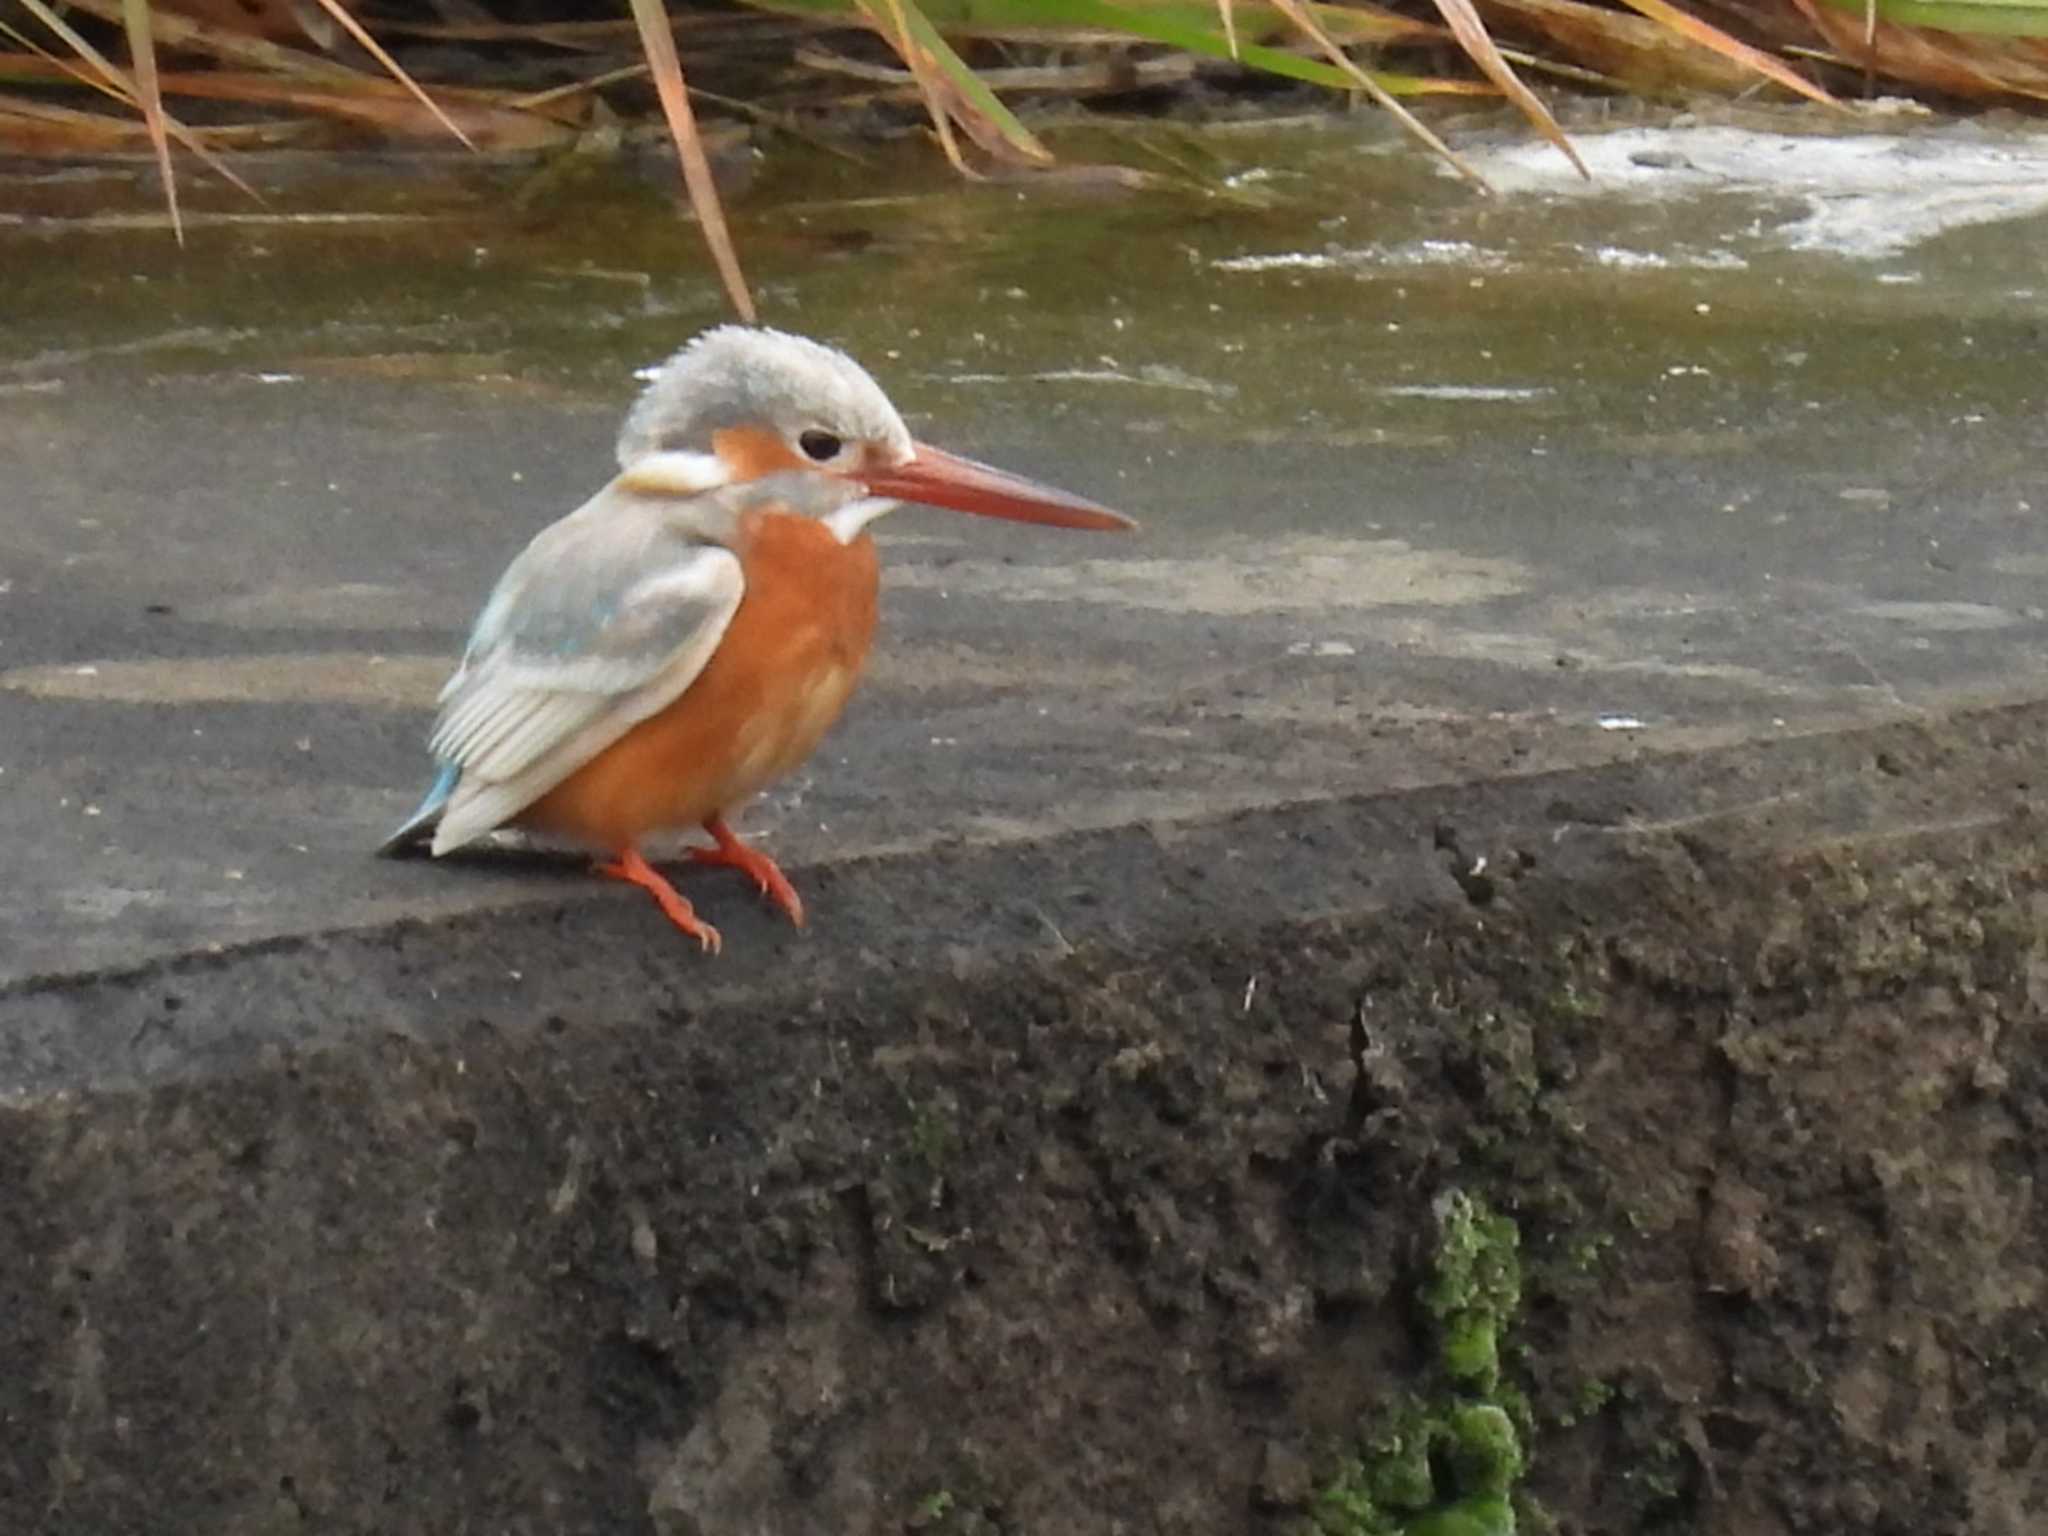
[736,375]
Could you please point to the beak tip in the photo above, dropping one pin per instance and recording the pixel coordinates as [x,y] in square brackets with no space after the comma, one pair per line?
[936,478]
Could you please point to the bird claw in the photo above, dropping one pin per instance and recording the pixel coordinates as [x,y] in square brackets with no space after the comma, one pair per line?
[731,853]
[634,870]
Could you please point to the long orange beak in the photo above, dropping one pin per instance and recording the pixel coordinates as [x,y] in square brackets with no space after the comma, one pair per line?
[935,478]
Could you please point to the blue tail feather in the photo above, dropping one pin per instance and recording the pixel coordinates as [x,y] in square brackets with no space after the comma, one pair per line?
[420,825]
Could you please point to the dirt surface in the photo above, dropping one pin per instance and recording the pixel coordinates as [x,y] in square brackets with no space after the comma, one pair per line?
[1106,1210]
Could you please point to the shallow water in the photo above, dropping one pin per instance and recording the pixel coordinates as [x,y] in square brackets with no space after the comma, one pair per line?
[1317,279]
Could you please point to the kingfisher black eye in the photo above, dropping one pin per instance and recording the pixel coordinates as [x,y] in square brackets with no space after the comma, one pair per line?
[820,444]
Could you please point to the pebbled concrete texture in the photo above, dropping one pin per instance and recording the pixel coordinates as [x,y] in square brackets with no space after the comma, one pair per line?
[1616,799]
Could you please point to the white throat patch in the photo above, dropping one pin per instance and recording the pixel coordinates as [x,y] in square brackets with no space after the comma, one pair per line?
[847,522]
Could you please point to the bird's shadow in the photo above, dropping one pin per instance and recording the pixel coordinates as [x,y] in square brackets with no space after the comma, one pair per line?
[502,858]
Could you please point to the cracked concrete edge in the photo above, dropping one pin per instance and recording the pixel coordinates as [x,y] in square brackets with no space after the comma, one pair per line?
[591,953]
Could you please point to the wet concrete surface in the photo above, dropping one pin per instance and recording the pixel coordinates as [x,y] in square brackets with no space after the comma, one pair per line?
[232,588]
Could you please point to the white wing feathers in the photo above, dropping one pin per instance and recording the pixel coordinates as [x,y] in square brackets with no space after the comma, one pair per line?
[605,619]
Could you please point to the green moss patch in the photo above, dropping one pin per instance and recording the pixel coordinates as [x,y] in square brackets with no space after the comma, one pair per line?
[1447,1460]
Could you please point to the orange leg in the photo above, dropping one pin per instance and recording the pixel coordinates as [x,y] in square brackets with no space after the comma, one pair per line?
[753,863]
[634,870]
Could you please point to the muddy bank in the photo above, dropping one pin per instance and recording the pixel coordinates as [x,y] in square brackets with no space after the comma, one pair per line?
[1135,1206]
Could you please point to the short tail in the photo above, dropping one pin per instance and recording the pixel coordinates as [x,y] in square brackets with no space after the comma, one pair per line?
[420,825]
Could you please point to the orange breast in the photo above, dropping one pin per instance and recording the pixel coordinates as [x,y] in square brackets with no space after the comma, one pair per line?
[775,685]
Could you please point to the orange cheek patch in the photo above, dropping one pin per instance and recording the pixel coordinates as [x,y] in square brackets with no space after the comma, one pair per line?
[751,452]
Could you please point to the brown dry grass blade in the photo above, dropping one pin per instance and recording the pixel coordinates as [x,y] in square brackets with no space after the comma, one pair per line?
[39,57]
[37,128]
[117,84]
[488,121]
[953,93]
[895,28]
[660,46]
[181,33]
[1631,53]
[292,22]
[142,51]
[376,51]
[1472,36]
[533,100]
[1298,13]
[1576,74]
[492,119]
[1687,25]
[1946,61]
[1229,14]
[745,28]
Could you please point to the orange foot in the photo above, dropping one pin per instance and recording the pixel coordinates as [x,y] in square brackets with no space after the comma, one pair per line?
[753,863]
[634,870]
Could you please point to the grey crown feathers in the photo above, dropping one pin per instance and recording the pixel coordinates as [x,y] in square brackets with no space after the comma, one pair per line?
[736,375]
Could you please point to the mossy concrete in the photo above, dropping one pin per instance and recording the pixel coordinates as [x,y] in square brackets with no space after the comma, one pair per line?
[1134,1218]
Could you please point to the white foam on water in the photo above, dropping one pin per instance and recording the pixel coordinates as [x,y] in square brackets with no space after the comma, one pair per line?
[1861,195]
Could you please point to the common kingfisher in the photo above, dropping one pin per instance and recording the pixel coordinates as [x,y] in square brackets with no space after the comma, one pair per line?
[688,635]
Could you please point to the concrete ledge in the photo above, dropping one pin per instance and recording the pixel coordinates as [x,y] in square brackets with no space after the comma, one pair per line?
[1084,1182]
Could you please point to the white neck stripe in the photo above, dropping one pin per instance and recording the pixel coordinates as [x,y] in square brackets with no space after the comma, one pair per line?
[675,472]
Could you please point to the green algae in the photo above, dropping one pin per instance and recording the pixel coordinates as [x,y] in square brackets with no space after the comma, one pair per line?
[1446,1460]
[1475,1290]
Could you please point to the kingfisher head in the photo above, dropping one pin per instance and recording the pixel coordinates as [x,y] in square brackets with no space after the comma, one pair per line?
[783,418]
